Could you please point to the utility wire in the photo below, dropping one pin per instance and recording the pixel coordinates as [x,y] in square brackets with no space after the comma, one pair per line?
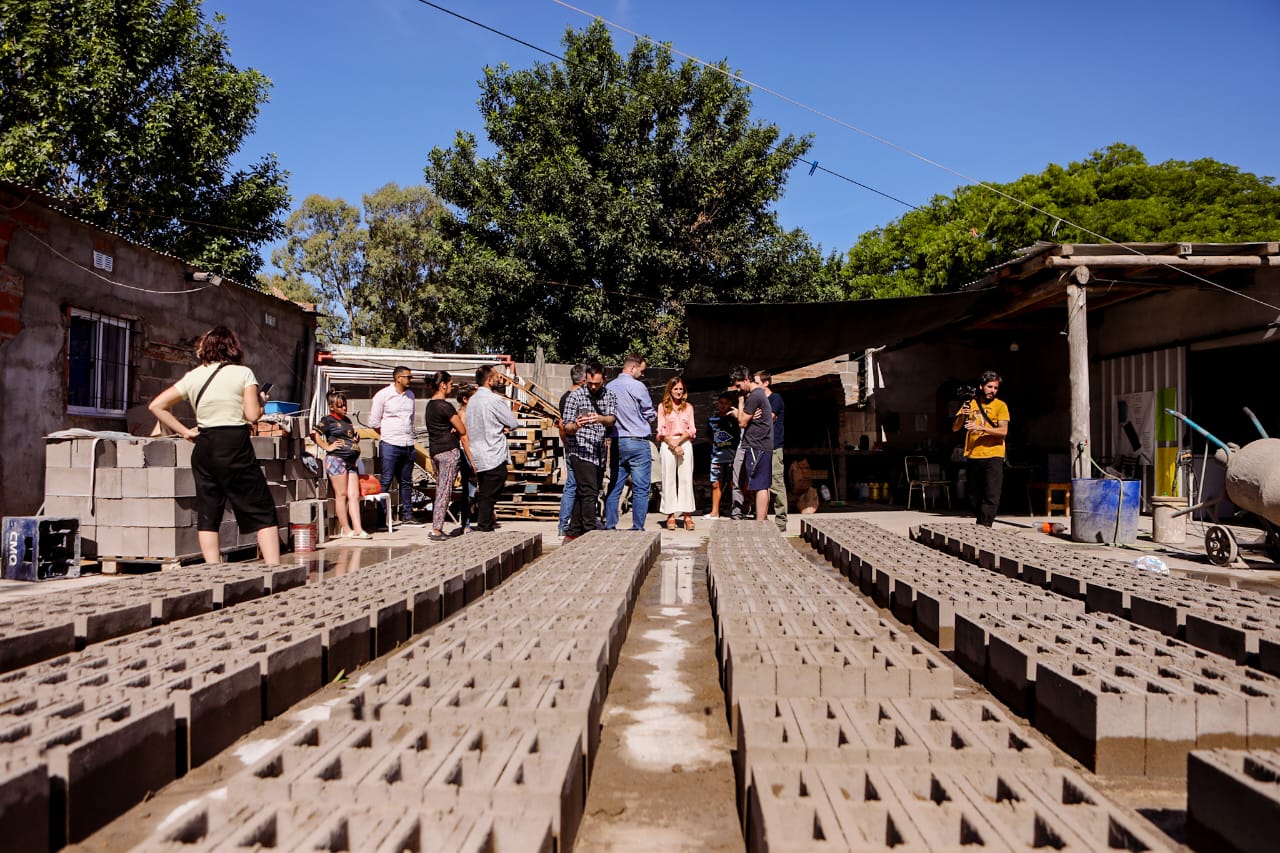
[895,146]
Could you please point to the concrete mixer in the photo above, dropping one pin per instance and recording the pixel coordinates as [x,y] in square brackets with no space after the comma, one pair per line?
[1252,484]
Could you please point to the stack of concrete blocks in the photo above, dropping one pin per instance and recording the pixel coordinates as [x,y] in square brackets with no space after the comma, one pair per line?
[106,725]
[136,497]
[1121,698]
[1233,800]
[821,764]
[1239,624]
[490,722]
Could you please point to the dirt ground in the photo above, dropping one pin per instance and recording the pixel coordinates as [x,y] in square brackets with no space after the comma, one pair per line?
[663,778]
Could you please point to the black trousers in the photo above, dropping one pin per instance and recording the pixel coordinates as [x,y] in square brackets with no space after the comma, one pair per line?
[986,476]
[585,514]
[488,486]
[225,468]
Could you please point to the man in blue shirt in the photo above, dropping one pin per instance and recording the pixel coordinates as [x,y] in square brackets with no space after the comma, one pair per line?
[631,450]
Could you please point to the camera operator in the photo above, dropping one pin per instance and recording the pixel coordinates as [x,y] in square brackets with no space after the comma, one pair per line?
[985,421]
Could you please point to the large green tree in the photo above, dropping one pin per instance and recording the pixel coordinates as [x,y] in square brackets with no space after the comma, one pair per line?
[131,112]
[1113,192]
[619,190]
[379,273]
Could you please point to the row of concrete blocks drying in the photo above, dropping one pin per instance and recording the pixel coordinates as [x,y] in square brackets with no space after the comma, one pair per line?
[494,715]
[919,585]
[857,773]
[783,629]
[1120,698]
[1233,800]
[1238,624]
[67,621]
[91,732]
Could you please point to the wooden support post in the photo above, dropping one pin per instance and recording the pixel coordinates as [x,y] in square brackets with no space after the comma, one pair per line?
[1078,371]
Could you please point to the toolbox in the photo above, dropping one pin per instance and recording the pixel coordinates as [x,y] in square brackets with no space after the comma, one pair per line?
[39,548]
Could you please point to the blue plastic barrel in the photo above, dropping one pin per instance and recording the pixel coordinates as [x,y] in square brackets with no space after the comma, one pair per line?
[1105,510]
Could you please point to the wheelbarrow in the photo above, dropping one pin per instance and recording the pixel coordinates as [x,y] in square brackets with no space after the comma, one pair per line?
[1252,484]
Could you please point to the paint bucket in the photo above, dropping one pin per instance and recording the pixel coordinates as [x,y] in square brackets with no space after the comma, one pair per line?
[1105,510]
[1167,527]
[304,536]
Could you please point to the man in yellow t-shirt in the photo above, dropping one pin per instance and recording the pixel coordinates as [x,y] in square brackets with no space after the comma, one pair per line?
[985,421]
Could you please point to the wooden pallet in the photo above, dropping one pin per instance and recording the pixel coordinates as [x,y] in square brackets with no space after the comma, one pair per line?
[141,565]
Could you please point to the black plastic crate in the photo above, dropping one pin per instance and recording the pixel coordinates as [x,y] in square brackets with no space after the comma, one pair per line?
[40,548]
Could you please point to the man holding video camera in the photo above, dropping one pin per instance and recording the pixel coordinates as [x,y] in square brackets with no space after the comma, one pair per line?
[985,421]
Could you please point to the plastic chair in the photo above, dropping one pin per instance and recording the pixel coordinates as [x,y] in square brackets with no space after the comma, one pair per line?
[385,499]
[921,476]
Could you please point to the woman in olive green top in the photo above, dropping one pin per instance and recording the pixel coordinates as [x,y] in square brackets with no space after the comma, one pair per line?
[224,395]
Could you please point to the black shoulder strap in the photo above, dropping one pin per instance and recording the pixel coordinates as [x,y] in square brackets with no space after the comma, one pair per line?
[985,416]
[195,404]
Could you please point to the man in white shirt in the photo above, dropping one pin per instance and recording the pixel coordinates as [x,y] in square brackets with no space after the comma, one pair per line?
[392,416]
[489,418]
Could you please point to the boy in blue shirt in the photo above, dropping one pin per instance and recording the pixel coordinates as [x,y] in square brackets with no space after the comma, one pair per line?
[725,434]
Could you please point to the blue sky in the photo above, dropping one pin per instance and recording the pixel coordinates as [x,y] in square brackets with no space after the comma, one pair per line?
[363,90]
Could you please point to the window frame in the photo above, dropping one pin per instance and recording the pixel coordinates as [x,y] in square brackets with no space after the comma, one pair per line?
[100,320]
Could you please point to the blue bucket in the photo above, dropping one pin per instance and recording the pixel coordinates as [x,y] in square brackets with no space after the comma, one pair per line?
[1105,510]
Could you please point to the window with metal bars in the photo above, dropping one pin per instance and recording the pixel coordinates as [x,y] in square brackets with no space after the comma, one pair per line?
[97,363]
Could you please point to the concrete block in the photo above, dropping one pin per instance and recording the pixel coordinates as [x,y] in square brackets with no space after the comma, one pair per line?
[129,454]
[1099,721]
[112,620]
[24,806]
[172,606]
[215,707]
[171,482]
[292,669]
[57,453]
[24,642]
[160,452]
[171,541]
[92,453]
[127,754]
[1233,800]
[107,483]
[347,643]
[133,483]
[68,482]
[1233,642]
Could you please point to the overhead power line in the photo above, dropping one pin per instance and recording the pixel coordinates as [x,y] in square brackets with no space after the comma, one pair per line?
[895,146]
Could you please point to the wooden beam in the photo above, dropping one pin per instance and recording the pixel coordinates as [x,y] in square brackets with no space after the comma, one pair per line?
[1078,373]
[1160,260]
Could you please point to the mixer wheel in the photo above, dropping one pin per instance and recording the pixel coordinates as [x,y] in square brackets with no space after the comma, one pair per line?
[1220,545]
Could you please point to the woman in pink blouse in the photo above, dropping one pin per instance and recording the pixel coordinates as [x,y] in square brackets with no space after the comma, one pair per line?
[676,430]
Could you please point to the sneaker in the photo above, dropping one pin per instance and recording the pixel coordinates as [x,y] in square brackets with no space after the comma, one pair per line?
[410,522]
[436,536]
[710,517]
[361,535]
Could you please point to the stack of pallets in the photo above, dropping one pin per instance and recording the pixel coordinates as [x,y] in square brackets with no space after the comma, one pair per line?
[535,480]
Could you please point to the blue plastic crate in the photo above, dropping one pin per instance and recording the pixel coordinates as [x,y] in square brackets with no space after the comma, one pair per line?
[39,548]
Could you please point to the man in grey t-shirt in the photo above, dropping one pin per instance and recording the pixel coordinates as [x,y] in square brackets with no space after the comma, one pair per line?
[755,416]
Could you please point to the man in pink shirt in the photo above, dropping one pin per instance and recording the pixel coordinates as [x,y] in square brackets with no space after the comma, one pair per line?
[392,416]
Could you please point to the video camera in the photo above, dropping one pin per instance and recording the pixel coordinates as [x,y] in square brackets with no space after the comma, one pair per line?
[965,391]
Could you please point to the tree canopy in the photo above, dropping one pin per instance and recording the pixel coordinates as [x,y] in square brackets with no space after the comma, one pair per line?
[1113,192]
[131,111]
[379,273]
[620,189]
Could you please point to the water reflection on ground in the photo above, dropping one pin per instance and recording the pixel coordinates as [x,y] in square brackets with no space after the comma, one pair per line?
[335,560]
